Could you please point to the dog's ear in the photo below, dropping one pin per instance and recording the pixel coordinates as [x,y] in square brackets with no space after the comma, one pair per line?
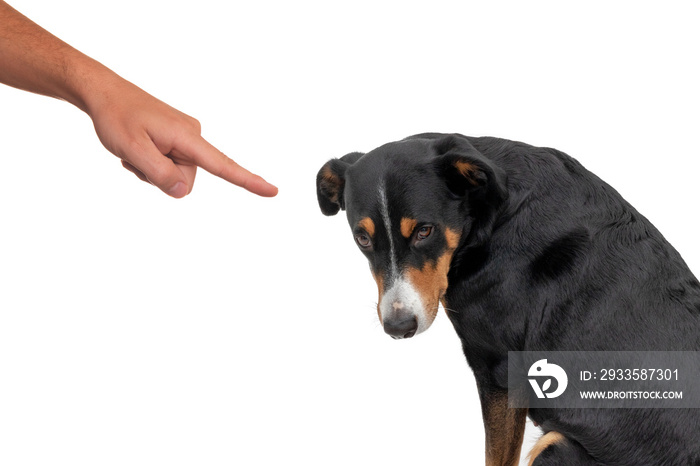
[473,177]
[330,183]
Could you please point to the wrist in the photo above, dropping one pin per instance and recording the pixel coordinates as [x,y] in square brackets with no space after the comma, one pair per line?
[86,82]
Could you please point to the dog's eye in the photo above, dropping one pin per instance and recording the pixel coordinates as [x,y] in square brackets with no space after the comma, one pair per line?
[363,240]
[423,232]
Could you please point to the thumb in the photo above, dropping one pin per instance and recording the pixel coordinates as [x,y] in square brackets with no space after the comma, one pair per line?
[161,171]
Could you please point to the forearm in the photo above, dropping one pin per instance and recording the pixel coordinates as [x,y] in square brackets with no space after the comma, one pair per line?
[34,60]
[156,142]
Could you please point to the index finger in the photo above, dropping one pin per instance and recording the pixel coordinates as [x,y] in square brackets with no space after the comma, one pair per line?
[217,163]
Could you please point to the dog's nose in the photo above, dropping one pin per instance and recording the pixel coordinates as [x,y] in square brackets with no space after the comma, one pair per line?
[401,326]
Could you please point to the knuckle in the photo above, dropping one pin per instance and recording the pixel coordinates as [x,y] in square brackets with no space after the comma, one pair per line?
[189,123]
[196,125]
[134,147]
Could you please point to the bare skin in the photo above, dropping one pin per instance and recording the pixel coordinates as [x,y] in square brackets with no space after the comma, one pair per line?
[156,142]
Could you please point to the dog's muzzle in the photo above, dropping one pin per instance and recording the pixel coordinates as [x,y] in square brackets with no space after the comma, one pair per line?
[402,311]
[401,325]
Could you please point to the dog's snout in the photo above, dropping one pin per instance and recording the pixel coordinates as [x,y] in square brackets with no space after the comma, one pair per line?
[401,326]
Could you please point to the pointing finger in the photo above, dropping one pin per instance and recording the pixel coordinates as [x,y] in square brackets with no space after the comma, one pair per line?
[217,163]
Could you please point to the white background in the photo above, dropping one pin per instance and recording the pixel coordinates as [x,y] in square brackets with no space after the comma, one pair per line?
[225,329]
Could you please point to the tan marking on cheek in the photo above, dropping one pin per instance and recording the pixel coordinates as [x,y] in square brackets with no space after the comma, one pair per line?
[380,288]
[368,225]
[431,283]
[547,440]
[407,226]
[452,237]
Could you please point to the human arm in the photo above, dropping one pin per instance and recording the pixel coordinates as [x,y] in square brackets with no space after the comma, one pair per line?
[156,142]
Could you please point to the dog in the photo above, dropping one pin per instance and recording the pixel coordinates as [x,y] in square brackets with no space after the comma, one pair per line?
[528,251]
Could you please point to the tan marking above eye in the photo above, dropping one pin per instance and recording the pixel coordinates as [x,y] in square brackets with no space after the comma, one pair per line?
[407,226]
[368,225]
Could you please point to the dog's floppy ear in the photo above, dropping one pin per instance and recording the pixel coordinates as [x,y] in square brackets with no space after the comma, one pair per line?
[470,175]
[330,183]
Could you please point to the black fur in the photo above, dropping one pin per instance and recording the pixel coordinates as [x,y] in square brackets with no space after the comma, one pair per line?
[550,258]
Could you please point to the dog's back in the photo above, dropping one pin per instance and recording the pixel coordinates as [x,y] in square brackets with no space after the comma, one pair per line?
[572,266]
[589,263]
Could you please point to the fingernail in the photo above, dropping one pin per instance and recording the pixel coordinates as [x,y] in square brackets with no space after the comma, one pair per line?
[178,191]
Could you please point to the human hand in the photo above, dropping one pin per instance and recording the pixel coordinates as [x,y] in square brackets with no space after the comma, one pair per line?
[158,143]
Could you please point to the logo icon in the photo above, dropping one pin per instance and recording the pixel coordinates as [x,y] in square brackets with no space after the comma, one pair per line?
[542,369]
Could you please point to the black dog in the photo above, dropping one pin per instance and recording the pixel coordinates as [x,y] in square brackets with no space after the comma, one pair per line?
[529,252]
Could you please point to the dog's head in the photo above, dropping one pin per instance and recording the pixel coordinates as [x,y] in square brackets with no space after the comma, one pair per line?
[411,204]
